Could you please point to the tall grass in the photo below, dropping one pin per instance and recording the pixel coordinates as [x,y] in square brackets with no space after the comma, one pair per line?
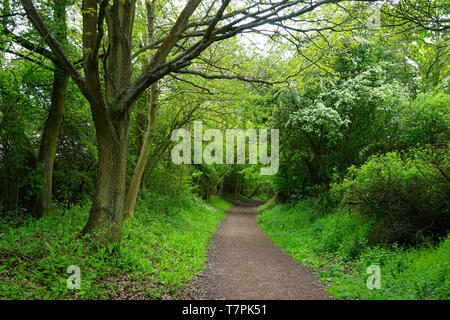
[336,246]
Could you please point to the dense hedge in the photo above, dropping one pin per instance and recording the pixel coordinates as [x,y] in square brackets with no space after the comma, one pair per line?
[407,197]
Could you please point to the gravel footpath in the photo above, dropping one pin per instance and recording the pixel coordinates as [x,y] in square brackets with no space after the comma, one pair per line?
[244,264]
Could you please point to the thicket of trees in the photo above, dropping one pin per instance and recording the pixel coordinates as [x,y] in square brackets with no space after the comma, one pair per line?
[91,92]
[373,128]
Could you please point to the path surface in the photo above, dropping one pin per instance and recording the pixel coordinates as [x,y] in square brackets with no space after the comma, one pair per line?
[244,264]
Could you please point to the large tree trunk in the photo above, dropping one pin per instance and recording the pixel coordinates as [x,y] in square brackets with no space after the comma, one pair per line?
[106,215]
[145,151]
[111,118]
[47,149]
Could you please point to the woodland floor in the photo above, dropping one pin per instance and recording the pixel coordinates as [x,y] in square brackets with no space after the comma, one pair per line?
[244,264]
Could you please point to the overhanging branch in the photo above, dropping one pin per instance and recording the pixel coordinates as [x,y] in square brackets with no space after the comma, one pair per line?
[63,60]
[227,77]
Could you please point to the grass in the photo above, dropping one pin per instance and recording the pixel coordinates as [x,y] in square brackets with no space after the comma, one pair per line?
[159,254]
[219,203]
[335,246]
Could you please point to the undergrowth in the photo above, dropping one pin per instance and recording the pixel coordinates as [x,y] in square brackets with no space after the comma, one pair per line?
[161,250]
[335,245]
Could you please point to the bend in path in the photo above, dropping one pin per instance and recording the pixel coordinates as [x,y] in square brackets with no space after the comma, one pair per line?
[244,264]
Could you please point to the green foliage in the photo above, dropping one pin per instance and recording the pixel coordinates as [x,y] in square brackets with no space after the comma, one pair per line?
[76,154]
[336,245]
[359,111]
[290,225]
[18,114]
[219,203]
[426,122]
[269,204]
[406,198]
[159,253]
[417,273]
[171,188]
[335,122]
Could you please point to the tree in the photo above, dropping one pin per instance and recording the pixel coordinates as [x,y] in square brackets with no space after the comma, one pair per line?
[150,132]
[325,125]
[112,103]
[420,14]
[46,156]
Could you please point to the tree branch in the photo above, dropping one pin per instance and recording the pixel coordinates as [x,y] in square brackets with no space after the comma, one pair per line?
[29,45]
[63,60]
[227,77]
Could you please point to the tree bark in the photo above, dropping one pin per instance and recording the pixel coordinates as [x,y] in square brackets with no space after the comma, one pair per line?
[106,214]
[111,119]
[47,150]
[151,125]
[143,157]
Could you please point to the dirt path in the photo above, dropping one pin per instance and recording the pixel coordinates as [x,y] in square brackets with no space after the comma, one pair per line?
[244,264]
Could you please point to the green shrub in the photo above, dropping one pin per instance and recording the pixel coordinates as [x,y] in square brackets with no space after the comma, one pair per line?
[405,197]
[426,122]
